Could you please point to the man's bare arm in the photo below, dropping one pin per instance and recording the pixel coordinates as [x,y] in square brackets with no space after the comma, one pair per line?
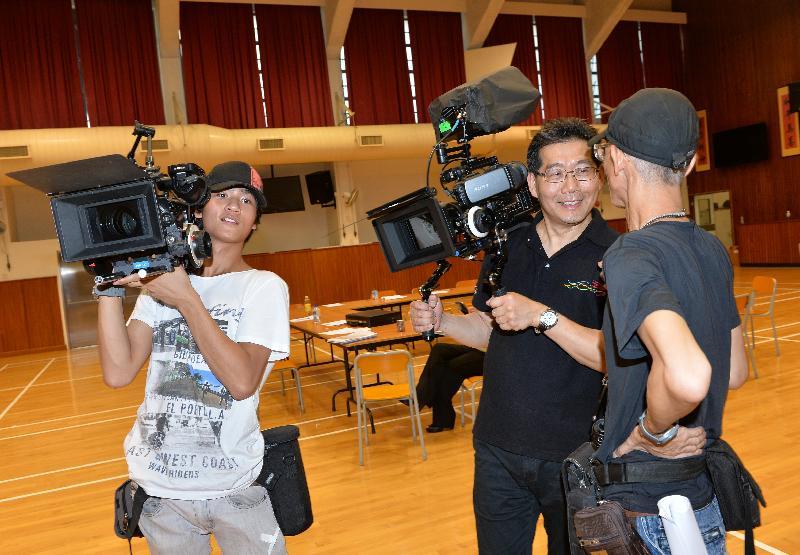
[680,374]
[516,312]
[123,349]
[739,369]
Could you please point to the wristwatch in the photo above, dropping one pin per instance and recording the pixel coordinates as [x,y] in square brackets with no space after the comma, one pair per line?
[657,439]
[547,321]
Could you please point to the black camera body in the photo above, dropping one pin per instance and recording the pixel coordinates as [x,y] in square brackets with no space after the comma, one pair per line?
[119,219]
[488,197]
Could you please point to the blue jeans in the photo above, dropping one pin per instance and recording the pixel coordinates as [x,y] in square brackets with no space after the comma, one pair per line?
[242,523]
[709,520]
[509,494]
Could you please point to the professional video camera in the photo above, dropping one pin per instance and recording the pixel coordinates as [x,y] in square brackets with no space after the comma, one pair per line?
[119,218]
[488,198]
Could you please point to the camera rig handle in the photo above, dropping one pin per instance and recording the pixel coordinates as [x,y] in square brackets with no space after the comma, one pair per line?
[499,254]
[426,288]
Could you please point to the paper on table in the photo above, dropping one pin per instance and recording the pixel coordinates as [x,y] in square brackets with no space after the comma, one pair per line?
[393,297]
[340,331]
[440,291]
[331,305]
[335,323]
[303,319]
[358,335]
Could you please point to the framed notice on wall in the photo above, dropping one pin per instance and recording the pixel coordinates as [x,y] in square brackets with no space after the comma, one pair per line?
[703,158]
[790,134]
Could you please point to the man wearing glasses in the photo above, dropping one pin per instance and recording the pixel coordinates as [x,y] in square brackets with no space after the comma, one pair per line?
[544,365]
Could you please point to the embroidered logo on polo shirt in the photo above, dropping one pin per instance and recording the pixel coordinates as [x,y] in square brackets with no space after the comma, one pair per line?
[595,287]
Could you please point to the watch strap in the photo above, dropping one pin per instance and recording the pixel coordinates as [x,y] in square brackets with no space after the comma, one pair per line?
[658,439]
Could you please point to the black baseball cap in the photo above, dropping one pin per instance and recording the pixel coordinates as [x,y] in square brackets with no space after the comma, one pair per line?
[657,125]
[237,174]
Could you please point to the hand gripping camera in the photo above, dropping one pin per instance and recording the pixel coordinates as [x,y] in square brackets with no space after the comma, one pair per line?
[488,197]
[119,218]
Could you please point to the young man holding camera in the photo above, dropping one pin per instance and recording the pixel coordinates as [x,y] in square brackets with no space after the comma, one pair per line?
[543,365]
[196,445]
[673,337]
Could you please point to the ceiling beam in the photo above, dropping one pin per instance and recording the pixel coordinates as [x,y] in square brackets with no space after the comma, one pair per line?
[337,19]
[478,20]
[601,18]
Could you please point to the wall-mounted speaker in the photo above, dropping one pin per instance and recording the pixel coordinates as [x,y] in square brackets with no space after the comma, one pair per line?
[320,188]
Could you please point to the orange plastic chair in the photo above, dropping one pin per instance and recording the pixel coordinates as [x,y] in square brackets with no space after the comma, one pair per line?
[378,363]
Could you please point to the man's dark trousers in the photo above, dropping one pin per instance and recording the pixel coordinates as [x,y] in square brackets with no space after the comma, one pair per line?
[509,494]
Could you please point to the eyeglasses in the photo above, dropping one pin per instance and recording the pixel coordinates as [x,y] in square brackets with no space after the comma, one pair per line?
[599,151]
[558,175]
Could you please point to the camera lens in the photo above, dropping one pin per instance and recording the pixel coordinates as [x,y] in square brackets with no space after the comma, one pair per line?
[120,220]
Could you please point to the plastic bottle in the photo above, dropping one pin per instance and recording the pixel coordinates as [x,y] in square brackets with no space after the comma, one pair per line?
[307,304]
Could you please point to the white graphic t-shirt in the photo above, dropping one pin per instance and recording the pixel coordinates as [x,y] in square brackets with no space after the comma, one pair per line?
[191,438]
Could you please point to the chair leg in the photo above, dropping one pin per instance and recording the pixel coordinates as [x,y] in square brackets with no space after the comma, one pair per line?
[775,334]
[360,431]
[461,392]
[419,426]
[472,393]
[299,387]
[283,383]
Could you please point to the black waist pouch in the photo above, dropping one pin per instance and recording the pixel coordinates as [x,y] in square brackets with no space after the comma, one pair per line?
[127,509]
[737,492]
[284,477]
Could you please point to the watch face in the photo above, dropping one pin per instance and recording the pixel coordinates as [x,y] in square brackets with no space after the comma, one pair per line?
[548,319]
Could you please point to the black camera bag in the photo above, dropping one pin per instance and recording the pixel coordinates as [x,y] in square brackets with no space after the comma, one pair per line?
[737,492]
[284,477]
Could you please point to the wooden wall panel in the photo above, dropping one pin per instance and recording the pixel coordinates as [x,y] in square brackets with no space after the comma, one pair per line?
[770,243]
[737,54]
[30,316]
[350,272]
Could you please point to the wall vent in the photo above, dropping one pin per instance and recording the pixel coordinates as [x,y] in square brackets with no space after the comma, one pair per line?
[275,143]
[370,140]
[159,145]
[19,151]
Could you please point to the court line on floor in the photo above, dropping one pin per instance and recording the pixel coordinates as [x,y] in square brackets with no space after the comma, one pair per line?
[760,545]
[82,415]
[27,387]
[54,490]
[60,470]
[4,366]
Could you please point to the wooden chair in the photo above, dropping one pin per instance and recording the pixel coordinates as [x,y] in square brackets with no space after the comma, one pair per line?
[469,385]
[744,304]
[385,362]
[765,286]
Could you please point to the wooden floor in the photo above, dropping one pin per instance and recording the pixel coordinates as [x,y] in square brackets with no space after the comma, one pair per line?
[61,433]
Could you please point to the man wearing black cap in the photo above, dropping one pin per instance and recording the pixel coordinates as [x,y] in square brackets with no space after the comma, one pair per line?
[672,332]
[196,446]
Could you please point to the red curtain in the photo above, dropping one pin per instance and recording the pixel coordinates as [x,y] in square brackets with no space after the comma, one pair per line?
[438,51]
[294,66]
[39,76]
[377,71]
[220,72]
[619,65]
[663,56]
[519,29]
[565,83]
[120,62]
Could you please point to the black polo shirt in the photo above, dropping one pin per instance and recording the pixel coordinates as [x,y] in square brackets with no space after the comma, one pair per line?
[537,400]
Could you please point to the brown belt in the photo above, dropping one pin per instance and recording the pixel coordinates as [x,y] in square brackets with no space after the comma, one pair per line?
[634,514]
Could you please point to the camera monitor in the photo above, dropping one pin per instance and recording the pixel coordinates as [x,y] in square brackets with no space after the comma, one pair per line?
[412,230]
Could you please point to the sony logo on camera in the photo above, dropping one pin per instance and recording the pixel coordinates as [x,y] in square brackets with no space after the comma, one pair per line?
[118,218]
